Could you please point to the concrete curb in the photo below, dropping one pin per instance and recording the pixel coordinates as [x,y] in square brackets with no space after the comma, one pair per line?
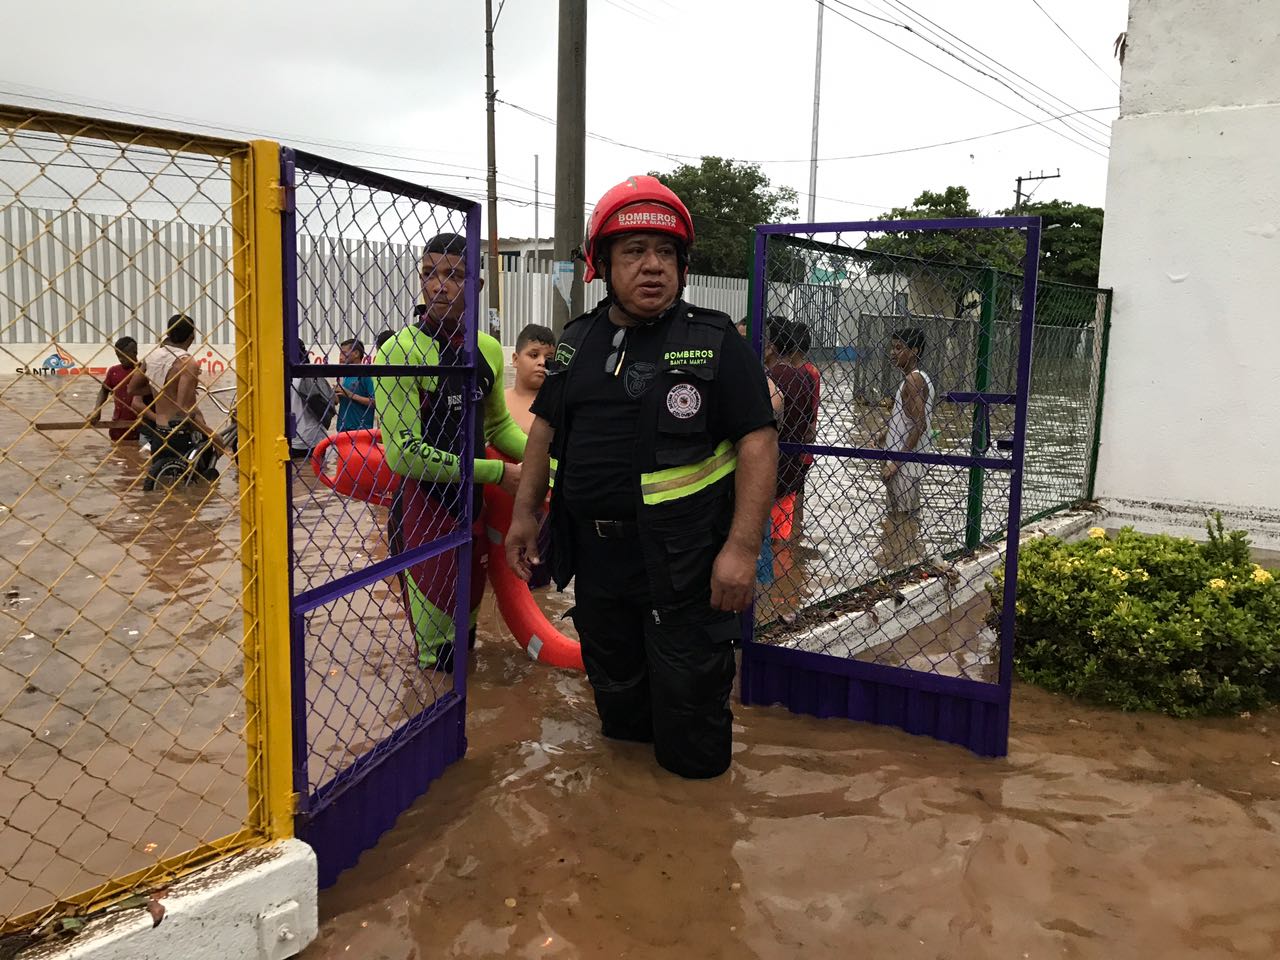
[257,905]
[890,618]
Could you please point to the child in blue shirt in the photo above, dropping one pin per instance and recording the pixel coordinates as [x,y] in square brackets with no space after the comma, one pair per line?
[355,394]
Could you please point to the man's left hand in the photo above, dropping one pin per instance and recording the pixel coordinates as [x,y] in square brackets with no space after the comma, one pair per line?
[733,579]
[888,470]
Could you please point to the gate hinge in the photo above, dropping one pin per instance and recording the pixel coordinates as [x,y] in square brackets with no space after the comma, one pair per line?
[281,198]
[297,803]
[281,450]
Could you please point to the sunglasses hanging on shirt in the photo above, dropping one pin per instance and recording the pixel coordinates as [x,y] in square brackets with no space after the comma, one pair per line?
[613,363]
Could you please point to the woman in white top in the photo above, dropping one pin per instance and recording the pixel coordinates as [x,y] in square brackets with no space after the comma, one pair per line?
[910,429]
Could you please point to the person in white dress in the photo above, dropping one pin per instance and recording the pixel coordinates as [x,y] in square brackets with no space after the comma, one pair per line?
[910,429]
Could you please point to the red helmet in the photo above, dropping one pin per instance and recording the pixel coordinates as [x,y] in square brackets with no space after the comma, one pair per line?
[637,204]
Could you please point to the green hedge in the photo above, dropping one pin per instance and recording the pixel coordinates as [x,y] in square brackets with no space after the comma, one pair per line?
[1144,622]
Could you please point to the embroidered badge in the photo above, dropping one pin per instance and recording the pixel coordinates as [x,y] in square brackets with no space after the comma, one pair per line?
[564,353]
[684,401]
[638,377]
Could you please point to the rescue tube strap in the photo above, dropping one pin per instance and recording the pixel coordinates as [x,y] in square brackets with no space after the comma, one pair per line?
[662,486]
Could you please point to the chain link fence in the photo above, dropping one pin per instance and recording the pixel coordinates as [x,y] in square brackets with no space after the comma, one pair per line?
[383,432]
[850,325]
[901,377]
[131,672]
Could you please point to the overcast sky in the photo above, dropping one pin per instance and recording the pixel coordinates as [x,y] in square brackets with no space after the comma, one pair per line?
[679,78]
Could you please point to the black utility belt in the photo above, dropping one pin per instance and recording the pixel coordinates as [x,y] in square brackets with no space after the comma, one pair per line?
[611,529]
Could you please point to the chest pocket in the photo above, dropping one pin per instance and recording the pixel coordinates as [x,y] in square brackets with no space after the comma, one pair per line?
[684,411]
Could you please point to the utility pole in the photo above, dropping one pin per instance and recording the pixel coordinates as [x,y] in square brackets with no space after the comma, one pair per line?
[571,159]
[537,237]
[813,152]
[493,285]
[1017,195]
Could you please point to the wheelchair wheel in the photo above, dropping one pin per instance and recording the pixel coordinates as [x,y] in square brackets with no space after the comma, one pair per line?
[167,473]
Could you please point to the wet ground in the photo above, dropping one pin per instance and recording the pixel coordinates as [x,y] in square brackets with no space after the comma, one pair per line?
[121,654]
[121,669]
[1102,835]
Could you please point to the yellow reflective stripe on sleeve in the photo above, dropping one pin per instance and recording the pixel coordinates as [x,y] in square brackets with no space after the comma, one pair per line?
[551,476]
[673,483]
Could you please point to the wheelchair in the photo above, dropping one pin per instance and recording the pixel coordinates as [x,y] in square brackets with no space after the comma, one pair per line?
[183,455]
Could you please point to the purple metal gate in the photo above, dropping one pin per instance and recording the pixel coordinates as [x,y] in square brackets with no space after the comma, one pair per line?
[877,604]
[372,727]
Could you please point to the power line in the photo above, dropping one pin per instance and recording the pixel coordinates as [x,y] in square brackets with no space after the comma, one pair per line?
[941,143]
[348,146]
[963,61]
[964,83]
[922,19]
[638,13]
[852,156]
[676,157]
[1074,44]
[82,151]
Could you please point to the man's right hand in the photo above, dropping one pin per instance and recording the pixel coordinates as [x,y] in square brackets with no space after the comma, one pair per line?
[510,482]
[522,544]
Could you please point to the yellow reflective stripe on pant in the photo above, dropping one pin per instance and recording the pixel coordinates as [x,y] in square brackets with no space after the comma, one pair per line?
[674,483]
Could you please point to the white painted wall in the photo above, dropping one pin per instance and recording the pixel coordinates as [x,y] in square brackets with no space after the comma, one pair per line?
[1192,249]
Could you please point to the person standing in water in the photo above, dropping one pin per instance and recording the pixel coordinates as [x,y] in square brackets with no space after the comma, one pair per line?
[656,417]
[355,394]
[127,408]
[422,432]
[535,347]
[909,430]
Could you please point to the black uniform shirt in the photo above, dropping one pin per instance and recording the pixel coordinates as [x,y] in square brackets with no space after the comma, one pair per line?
[602,414]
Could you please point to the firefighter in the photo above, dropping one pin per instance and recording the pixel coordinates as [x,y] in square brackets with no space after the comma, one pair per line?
[655,429]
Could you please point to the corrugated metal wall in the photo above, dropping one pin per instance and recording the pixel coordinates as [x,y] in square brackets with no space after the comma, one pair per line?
[131,275]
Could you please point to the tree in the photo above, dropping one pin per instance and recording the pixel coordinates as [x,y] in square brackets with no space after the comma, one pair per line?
[961,248]
[941,266]
[727,199]
[1070,240]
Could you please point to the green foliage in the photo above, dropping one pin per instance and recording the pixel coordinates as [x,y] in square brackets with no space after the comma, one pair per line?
[1144,622]
[965,248]
[951,258]
[727,199]
[1069,252]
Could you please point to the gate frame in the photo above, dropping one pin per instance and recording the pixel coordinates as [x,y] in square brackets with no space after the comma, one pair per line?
[346,815]
[954,709]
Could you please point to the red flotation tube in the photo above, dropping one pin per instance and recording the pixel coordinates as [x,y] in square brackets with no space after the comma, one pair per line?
[360,466]
[519,609]
[360,471]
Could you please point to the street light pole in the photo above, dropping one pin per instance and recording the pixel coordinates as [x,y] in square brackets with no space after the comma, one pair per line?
[494,287]
[817,90]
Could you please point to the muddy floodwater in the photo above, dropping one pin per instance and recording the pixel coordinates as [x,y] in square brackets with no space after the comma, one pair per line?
[1102,835]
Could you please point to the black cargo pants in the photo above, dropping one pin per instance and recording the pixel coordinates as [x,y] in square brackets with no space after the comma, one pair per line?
[662,672]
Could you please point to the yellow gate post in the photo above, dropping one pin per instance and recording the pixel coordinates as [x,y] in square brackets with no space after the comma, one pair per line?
[264,497]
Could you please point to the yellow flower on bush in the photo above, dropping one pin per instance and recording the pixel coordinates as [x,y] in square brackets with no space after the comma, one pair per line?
[1119,574]
[1218,583]
[1097,533]
[1106,552]
[1261,575]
